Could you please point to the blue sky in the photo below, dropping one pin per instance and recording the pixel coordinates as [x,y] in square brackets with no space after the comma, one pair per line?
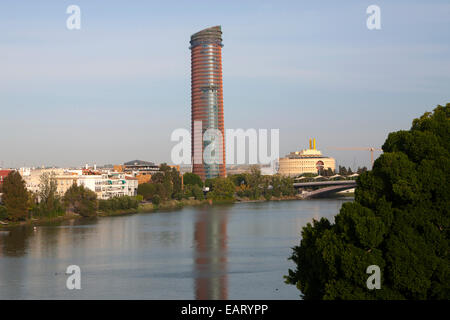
[116,89]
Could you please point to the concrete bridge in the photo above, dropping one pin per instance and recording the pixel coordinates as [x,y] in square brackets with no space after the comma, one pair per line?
[325,187]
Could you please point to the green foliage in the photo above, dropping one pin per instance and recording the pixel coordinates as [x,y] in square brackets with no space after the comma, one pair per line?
[15,197]
[156,200]
[209,183]
[50,205]
[239,179]
[398,221]
[81,200]
[222,189]
[192,179]
[3,213]
[118,203]
[255,186]
[147,190]
[197,192]
[166,184]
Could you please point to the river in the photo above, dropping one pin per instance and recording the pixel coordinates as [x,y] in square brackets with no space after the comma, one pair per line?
[234,251]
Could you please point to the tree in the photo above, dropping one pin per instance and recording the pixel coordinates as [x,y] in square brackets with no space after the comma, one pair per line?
[3,213]
[15,196]
[146,190]
[399,221]
[81,201]
[361,170]
[222,189]
[192,179]
[156,200]
[342,171]
[239,179]
[197,192]
[49,202]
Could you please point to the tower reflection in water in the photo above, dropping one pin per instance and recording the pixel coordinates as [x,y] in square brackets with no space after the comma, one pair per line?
[210,254]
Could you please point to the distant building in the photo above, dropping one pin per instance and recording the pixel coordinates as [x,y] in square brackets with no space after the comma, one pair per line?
[142,170]
[105,185]
[305,161]
[32,178]
[108,186]
[3,175]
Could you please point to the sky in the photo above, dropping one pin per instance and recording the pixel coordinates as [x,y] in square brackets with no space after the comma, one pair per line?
[115,90]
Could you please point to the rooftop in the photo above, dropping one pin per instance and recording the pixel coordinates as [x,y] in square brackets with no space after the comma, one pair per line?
[212,34]
[139,163]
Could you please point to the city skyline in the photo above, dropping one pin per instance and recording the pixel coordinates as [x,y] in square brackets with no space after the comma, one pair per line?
[116,89]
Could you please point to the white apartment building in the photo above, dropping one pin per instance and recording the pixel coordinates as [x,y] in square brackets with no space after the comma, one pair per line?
[105,185]
[108,186]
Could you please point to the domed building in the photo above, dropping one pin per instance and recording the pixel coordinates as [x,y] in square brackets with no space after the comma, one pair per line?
[305,161]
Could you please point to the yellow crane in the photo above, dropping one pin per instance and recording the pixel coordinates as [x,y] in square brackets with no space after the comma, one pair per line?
[370,149]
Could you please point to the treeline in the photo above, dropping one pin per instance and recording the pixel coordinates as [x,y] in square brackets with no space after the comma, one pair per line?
[20,204]
[255,186]
[251,185]
[346,172]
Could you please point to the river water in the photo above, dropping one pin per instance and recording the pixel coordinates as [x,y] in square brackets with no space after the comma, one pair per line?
[235,251]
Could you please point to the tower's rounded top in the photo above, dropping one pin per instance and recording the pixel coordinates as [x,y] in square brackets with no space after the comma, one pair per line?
[208,35]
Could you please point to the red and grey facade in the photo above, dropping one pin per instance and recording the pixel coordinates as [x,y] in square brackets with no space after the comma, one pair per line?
[207,99]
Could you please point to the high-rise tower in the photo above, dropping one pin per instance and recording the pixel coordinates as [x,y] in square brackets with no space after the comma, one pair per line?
[207,99]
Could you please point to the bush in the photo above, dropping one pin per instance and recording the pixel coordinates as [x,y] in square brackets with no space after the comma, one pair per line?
[156,200]
[3,213]
[197,192]
[118,203]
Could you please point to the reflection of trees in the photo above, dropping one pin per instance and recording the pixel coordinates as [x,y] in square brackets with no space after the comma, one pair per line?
[211,253]
[15,243]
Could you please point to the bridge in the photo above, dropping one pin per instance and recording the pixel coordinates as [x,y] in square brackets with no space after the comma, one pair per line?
[326,187]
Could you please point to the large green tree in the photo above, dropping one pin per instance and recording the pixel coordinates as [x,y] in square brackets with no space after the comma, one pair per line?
[222,189]
[15,196]
[81,200]
[190,178]
[399,221]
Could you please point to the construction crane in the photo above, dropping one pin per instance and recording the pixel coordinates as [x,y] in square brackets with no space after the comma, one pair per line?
[370,149]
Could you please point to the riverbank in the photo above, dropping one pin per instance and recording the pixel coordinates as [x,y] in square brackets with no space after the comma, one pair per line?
[142,208]
[145,207]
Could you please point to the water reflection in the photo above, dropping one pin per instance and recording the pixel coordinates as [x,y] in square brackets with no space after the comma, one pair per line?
[210,255]
[211,252]
[14,243]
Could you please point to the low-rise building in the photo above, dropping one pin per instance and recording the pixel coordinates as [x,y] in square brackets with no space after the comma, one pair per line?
[142,170]
[3,175]
[108,186]
[105,185]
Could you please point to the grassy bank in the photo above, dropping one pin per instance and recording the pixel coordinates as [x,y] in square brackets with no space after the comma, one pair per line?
[144,207]
[149,207]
